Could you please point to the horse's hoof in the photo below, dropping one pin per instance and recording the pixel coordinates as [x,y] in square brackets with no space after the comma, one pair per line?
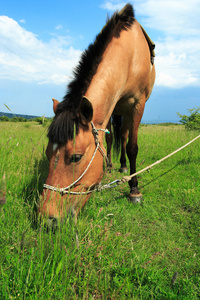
[123,170]
[136,199]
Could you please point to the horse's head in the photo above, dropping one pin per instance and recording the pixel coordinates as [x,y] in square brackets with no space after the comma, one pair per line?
[75,159]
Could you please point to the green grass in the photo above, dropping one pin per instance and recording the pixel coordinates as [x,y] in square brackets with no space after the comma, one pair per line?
[125,251]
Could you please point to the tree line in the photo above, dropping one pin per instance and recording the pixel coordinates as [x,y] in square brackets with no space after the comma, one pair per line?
[40,120]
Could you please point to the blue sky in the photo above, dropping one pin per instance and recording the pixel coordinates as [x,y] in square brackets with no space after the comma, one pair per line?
[41,42]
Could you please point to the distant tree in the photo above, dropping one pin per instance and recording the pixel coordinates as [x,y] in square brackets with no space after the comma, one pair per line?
[192,121]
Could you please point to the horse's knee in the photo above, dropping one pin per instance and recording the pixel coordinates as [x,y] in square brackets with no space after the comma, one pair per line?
[132,151]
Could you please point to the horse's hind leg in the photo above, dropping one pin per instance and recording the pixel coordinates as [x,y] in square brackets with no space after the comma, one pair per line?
[124,137]
[132,149]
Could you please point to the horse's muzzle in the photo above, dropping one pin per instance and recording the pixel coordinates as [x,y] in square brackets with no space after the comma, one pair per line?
[52,224]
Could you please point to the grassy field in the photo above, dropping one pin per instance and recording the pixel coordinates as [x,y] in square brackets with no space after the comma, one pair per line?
[126,251]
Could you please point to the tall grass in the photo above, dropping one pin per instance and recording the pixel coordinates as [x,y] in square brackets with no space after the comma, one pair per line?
[126,251]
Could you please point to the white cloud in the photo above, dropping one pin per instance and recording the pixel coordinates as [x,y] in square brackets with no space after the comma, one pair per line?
[173,17]
[177,62]
[59,27]
[171,72]
[22,21]
[177,45]
[24,57]
[113,5]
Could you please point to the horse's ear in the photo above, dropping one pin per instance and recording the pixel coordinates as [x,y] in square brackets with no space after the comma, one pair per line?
[55,103]
[86,111]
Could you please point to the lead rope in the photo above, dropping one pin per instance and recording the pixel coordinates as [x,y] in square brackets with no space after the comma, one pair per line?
[125,179]
[116,182]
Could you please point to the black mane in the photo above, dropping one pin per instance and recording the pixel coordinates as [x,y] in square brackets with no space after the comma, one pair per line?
[62,128]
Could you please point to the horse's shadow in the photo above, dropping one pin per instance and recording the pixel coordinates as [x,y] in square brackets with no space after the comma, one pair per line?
[142,186]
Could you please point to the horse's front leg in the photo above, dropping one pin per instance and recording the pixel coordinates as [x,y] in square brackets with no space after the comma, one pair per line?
[135,196]
[132,150]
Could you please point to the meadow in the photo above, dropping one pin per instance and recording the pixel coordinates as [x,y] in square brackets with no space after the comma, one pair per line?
[126,251]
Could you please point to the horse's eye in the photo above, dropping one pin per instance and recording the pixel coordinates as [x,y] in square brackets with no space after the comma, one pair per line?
[75,158]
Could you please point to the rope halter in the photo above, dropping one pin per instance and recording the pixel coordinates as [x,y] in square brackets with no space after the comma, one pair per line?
[66,190]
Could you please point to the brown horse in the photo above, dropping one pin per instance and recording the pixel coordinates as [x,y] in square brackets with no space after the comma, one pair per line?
[116,74]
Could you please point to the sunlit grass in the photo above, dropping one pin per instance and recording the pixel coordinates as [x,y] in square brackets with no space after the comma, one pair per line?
[126,251]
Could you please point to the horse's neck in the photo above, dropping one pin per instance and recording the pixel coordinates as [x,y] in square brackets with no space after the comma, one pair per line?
[103,102]
[107,85]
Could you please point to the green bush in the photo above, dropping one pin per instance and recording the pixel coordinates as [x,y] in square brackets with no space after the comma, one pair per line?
[40,120]
[4,119]
[192,121]
[18,119]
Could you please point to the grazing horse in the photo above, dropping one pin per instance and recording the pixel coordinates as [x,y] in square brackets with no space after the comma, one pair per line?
[116,75]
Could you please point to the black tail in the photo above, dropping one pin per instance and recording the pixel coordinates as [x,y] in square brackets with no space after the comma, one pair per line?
[117,128]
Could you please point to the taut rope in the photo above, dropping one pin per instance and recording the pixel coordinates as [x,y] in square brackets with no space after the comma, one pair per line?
[127,178]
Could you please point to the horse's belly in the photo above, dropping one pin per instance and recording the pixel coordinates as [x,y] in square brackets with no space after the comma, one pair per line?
[125,106]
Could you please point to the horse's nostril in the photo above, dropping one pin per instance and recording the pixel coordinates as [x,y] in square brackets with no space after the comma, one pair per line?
[52,223]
